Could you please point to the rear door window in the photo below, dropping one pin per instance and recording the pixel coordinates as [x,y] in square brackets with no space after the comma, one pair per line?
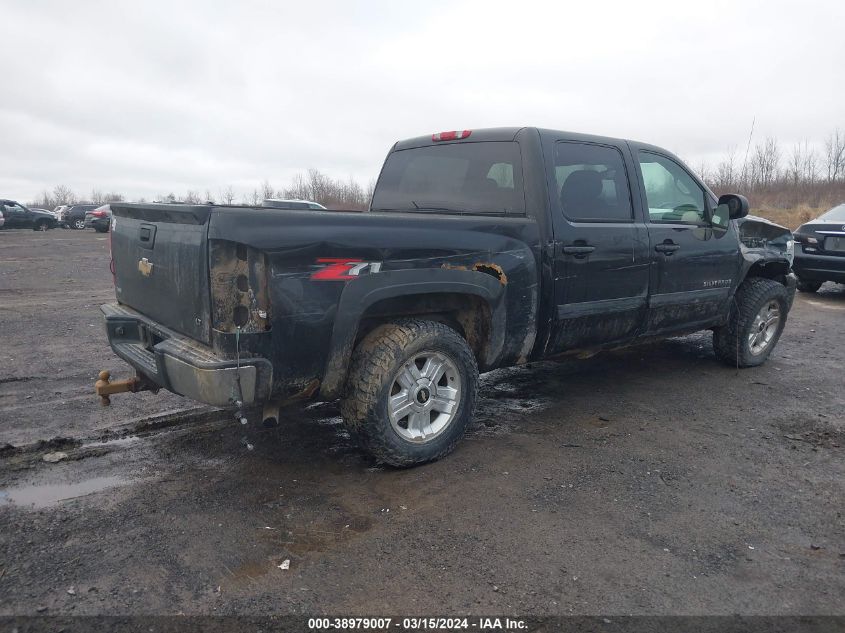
[483,177]
[592,184]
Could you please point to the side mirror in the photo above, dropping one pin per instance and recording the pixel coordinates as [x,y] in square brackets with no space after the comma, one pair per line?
[737,205]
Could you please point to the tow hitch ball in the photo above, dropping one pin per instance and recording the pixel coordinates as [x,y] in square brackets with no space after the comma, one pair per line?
[105,388]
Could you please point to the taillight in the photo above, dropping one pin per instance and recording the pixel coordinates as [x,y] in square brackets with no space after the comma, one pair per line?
[454,135]
[240,295]
[98,214]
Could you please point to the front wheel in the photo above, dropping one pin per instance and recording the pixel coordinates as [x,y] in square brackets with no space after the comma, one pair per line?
[756,320]
[410,391]
[78,224]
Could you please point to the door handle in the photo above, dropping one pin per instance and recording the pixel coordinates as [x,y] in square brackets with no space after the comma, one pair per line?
[579,251]
[667,247]
[147,235]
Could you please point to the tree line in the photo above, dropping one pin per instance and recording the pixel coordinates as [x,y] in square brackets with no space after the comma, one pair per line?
[314,185]
[783,177]
[770,174]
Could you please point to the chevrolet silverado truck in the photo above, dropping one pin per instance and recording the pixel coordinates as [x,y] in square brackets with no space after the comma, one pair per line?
[481,249]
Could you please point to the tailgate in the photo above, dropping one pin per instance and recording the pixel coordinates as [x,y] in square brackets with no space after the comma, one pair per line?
[160,258]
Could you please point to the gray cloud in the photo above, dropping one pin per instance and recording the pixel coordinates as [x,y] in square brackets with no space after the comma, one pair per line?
[154,97]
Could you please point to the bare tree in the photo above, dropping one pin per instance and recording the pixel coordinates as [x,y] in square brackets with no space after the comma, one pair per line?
[703,170]
[100,197]
[267,190]
[726,176]
[371,188]
[298,189]
[795,164]
[333,193]
[810,168]
[44,201]
[766,162]
[834,154]
[228,195]
[63,194]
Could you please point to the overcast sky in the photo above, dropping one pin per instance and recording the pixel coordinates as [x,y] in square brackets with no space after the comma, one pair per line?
[151,97]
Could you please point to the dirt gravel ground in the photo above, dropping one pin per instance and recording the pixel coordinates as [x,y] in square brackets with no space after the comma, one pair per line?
[648,481]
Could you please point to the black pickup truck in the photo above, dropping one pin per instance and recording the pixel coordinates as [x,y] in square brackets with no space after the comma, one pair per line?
[480,249]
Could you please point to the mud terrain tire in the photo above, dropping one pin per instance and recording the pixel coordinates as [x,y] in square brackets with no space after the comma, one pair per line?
[377,362]
[733,343]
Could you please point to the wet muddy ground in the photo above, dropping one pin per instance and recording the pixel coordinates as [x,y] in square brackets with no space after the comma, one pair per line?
[652,480]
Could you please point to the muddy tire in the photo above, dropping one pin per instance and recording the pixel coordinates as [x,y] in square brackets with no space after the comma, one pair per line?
[410,392]
[756,321]
[809,286]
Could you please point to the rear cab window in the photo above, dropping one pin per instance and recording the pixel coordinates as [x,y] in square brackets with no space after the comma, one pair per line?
[477,178]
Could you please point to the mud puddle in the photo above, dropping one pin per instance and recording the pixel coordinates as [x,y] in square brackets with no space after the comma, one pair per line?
[45,495]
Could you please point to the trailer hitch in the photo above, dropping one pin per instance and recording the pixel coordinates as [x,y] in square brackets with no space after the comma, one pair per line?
[104,388]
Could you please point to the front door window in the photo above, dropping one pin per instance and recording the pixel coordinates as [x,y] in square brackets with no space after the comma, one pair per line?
[673,196]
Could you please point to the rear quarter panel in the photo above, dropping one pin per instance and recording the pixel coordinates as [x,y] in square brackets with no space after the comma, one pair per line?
[313,321]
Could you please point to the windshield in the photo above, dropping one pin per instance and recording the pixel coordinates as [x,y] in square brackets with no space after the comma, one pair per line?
[836,214]
[458,178]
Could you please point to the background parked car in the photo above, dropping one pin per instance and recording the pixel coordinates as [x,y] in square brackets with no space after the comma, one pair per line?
[99,219]
[2,220]
[17,216]
[73,217]
[821,256]
[292,204]
[58,211]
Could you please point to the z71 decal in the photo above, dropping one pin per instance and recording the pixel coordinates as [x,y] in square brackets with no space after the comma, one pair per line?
[343,269]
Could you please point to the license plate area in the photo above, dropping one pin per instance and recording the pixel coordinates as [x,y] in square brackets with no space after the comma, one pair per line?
[835,243]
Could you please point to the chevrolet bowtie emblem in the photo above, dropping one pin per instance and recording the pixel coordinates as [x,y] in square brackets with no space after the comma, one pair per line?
[145,267]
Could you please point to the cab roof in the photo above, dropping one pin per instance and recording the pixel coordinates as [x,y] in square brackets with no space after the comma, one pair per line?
[509,134]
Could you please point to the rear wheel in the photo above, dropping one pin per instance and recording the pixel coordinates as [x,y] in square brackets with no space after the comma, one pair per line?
[41,225]
[78,224]
[756,321]
[410,392]
[808,286]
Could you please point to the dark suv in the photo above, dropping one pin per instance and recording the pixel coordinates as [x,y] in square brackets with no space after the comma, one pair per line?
[73,217]
[17,216]
[821,256]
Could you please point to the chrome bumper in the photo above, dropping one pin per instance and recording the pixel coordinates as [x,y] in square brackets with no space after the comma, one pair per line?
[183,365]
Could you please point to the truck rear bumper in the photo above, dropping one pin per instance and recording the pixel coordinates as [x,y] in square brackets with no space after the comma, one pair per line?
[182,365]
